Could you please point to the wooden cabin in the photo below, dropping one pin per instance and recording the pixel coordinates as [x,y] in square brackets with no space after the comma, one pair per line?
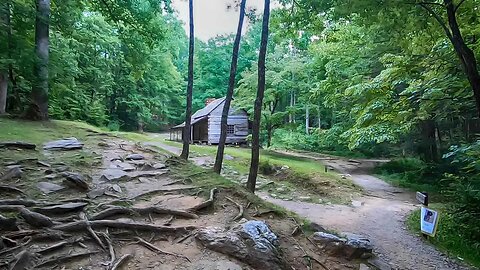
[206,125]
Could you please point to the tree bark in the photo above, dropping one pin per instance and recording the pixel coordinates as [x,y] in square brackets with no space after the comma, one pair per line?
[3,91]
[464,53]
[429,143]
[188,111]
[252,176]
[307,119]
[5,32]
[231,85]
[319,119]
[39,107]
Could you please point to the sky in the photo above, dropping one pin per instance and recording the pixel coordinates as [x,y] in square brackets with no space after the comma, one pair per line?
[211,17]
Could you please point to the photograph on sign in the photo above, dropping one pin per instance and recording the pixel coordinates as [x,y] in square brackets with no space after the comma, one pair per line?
[428,221]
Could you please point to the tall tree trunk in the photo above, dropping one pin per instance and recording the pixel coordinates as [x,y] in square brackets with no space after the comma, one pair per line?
[3,91]
[188,111]
[5,31]
[307,120]
[466,55]
[319,119]
[429,142]
[269,135]
[252,176]
[231,85]
[39,107]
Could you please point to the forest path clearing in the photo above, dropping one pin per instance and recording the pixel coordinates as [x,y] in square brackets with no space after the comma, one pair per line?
[379,215]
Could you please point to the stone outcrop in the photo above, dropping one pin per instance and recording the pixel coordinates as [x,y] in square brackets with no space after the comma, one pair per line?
[351,246]
[251,242]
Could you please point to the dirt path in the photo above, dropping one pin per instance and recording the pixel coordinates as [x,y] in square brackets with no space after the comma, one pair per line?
[378,215]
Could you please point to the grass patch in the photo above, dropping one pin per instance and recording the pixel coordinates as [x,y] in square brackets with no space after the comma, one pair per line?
[449,236]
[305,173]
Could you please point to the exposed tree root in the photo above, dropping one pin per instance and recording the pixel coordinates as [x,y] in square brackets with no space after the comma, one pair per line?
[163,189]
[22,145]
[118,210]
[10,189]
[27,203]
[186,237]
[111,251]
[34,219]
[81,225]
[121,261]
[64,258]
[53,247]
[156,249]
[92,233]
[206,203]
[240,209]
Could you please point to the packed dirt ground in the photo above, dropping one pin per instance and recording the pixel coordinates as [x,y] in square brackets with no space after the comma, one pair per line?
[116,204]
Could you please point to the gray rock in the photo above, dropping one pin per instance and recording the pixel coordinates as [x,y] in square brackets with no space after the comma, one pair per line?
[64,144]
[228,157]
[304,198]
[251,242]
[61,208]
[96,193]
[114,175]
[117,188]
[135,157]
[351,247]
[12,173]
[76,180]
[123,166]
[47,187]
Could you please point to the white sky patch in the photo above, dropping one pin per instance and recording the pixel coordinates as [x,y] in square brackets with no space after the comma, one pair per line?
[212,18]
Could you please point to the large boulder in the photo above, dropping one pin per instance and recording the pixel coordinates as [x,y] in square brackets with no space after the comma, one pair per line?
[251,242]
[351,246]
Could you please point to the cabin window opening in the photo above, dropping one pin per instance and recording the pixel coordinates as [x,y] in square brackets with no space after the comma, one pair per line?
[230,129]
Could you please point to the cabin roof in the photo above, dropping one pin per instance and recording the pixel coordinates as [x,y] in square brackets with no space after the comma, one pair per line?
[208,109]
[203,113]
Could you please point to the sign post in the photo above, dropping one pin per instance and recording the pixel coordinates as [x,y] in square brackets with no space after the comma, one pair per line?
[428,217]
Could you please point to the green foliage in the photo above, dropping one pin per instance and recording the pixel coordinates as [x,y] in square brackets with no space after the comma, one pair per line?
[450,236]
[115,63]
[463,189]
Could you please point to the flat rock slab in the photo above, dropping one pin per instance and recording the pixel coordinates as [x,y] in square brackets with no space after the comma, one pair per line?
[47,187]
[124,166]
[114,175]
[22,145]
[61,208]
[135,157]
[64,144]
[96,193]
[251,242]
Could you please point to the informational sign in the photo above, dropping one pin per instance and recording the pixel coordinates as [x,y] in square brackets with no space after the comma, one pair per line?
[428,221]
[422,198]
